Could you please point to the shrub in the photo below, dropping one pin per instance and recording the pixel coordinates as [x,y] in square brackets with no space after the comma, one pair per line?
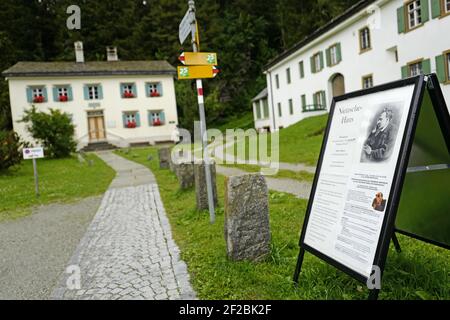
[10,149]
[54,130]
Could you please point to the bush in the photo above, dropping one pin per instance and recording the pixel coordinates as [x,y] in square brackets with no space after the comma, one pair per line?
[54,130]
[10,149]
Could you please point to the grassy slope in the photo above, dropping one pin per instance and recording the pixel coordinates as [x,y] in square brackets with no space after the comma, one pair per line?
[421,271]
[59,180]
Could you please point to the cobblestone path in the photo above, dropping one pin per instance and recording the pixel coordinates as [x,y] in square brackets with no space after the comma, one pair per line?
[128,251]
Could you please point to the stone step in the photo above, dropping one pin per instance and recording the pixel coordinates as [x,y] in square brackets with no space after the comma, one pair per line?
[99,146]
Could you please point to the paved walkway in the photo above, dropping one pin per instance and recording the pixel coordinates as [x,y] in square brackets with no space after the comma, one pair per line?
[128,251]
[301,190]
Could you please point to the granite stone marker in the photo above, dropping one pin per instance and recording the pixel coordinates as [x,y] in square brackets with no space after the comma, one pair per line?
[247,229]
[164,158]
[201,190]
[185,174]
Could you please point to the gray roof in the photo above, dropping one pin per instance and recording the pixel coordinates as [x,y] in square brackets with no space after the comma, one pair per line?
[263,94]
[94,68]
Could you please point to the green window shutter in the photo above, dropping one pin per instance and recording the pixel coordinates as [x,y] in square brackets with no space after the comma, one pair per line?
[424,5]
[122,90]
[150,119]
[328,55]
[44,92]
[401,19]
[138,120]
[100,92]
[440,68]
[338,52]
[404,72]
[135,90]
[162,117]
[69,93]
[280,113]
[324,99]
[55,94]
[315,99]
[426,66]
[291,107]
[302,70]
[160,89]
[303,101]
[313,66]
[435,8]
[29,95]
[321,60]
[124,119]
[86,92]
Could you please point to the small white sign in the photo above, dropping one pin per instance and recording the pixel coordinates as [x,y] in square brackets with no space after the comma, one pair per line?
[33,153]
[185,26]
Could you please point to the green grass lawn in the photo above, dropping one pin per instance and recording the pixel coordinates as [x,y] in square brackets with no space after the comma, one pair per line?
[60,180]
[421,271]
[295,175]
[299,143]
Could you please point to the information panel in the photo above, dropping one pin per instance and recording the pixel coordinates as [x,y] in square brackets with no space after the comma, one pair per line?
[357,170]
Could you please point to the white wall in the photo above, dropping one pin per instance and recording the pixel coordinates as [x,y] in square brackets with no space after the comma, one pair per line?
[426,42]
[112,105]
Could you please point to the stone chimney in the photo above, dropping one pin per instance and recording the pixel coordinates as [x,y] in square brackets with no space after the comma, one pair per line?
[111,54]
[79,52]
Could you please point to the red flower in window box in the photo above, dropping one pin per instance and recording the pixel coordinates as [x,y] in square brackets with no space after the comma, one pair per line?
[128,95]
[38,99]
[157,123]
[154,94]
[63,98]
[131,124]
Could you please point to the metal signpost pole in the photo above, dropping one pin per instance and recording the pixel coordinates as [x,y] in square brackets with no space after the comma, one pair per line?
[36,178]
[201,107]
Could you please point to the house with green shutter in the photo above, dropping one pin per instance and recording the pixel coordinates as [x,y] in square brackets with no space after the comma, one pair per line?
[111,102]
[371,43]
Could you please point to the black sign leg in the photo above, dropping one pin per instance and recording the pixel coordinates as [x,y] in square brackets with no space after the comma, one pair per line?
[396,243]
[373,295]
[298,268]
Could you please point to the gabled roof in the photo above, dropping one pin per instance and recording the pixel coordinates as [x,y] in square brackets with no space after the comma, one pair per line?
[94,68]
[263,94]
[321,31]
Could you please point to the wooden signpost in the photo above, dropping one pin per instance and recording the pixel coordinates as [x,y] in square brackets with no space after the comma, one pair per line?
[351,215]
[198,65]
[33,154]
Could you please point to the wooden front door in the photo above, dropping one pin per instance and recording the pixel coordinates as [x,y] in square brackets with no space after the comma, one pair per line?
[338,84]
[96,127]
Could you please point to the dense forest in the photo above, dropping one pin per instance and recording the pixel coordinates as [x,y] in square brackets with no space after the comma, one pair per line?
[246,34]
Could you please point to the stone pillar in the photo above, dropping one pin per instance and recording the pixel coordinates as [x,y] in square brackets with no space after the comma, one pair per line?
[164,158]
[185,174]
[247,229]
[201,191]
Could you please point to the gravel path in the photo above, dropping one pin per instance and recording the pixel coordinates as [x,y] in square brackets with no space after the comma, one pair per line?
[301,190]
[34,250]
[128,251]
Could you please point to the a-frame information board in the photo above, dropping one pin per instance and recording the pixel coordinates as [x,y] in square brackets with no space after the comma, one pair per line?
[351,215]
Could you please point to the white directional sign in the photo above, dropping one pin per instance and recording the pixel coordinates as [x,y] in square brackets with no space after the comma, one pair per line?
[185,26]
[33,153]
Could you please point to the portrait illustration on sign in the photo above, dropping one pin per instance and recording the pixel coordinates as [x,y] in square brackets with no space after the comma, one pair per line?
[383,130]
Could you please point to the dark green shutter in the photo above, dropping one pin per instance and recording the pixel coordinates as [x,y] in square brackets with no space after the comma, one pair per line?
[404,72]
[435,8]
[303,101]
[302,70]
[338,52]
[258,110]
[321,60]
[426,66]
[29,95]
[315,100]
[401,19]
[424,5]
[328,55]
[440,68]
[324,99]
[313,65]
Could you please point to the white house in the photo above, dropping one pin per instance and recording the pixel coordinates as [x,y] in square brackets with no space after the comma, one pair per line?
[373,42]
[116,102]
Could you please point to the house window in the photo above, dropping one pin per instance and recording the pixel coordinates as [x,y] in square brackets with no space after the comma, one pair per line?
[364,39]
[319,100]
[258,110]
[38,94]
[93,92]
[415,69]
[301,69]
[333,55]
[128,90]
[288,75]
[265,109]
[131,120]
[156,118]
[291,107]
[280,114]
[447,6]
[277,81]
[154,89]
[367,82]
[62,94]
[414,14]
[317,62]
